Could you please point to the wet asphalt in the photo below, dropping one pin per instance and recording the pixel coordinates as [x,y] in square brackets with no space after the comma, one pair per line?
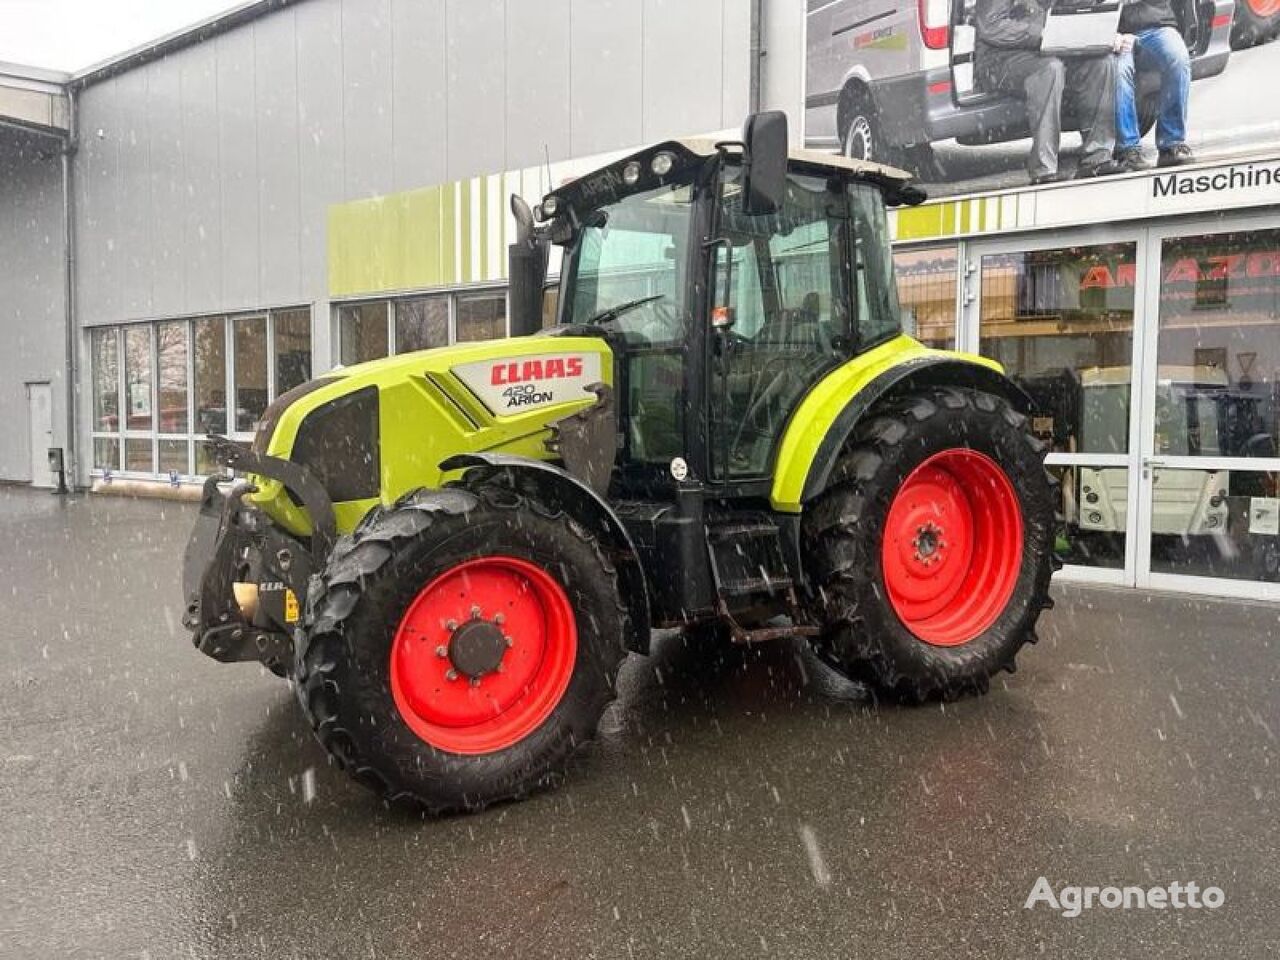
[156,804]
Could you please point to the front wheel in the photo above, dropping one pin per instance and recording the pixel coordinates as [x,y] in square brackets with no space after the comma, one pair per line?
[459,646]
[932,550]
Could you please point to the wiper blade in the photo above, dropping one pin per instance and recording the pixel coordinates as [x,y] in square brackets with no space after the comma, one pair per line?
[604,316]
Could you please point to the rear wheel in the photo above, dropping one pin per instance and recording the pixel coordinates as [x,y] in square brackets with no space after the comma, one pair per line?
[460,646]
[932,551]
[1254,22]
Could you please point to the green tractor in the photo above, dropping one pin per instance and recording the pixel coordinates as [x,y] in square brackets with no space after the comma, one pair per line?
[451,552]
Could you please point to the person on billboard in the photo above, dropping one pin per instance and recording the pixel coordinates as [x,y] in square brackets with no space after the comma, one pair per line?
[1009,60]
[1151,41]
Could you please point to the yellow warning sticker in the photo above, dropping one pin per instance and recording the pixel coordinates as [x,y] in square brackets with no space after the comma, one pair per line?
[290,606]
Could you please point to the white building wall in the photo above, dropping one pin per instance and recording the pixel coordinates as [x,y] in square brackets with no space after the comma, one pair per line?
[32,314]
[204,178]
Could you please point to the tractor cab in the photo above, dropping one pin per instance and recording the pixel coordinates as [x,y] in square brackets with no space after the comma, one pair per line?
[729,278]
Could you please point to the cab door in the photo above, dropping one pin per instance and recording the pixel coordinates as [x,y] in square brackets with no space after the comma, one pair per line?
[781,317]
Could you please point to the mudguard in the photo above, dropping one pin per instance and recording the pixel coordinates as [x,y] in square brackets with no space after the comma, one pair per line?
[559,489]
[820,427]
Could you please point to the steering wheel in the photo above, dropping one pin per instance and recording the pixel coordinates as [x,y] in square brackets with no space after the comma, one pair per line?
[667,328]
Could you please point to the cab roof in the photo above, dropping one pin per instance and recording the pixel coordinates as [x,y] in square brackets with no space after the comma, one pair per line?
[607,183]
[706,147]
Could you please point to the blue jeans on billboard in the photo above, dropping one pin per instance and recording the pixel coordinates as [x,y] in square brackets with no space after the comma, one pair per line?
[1160,50]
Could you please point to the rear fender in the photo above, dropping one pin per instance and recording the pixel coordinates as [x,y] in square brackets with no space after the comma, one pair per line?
[906,378]
[560,490]
[822,425]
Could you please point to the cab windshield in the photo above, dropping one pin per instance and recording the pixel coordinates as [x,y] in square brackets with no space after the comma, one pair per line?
[628,266]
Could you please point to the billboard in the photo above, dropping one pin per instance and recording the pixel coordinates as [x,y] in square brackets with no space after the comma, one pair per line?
[953,90]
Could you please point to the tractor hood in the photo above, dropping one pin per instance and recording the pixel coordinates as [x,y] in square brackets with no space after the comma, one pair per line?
[369,433]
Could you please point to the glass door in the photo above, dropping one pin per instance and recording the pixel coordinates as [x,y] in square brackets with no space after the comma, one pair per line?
[1061,319]
[1209,492]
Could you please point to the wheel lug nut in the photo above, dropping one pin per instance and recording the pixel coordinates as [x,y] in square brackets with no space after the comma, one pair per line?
[508,641]
[451,624]
[451,674]
[475,681]
[499,619]
[475,611]
[442,651]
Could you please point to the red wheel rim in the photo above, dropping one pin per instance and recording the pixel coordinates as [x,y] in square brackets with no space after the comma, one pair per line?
[483,654]
[1264,8]
[952,547]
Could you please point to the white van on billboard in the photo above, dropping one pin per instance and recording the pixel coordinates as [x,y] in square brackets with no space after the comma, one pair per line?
[905,84]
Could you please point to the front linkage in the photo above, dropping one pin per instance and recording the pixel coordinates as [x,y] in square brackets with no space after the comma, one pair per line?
[244,579]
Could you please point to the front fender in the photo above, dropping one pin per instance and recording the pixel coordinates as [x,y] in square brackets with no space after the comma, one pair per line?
[817,433]
[560,490]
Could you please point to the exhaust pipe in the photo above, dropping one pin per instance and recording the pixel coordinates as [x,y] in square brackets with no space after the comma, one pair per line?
[526,271]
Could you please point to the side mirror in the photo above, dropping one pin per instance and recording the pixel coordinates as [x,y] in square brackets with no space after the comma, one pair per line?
[764,180]
[910,195]
[526,271]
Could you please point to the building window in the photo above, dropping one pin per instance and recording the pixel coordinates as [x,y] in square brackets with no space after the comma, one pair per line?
[172,357]
[250,353]
[482,317]
[174,456]
[927,294]
[106,453]
[211,375]
[362,332]
[368,331]
[1218,391]
[137,377]
[172,379]
[105,349]
[138,455]
[292,347]
[1061,323]
[422,323]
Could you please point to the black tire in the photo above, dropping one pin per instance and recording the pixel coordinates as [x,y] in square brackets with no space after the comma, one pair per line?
[863,636]
[1250,28]
[862,138]
[353,610]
